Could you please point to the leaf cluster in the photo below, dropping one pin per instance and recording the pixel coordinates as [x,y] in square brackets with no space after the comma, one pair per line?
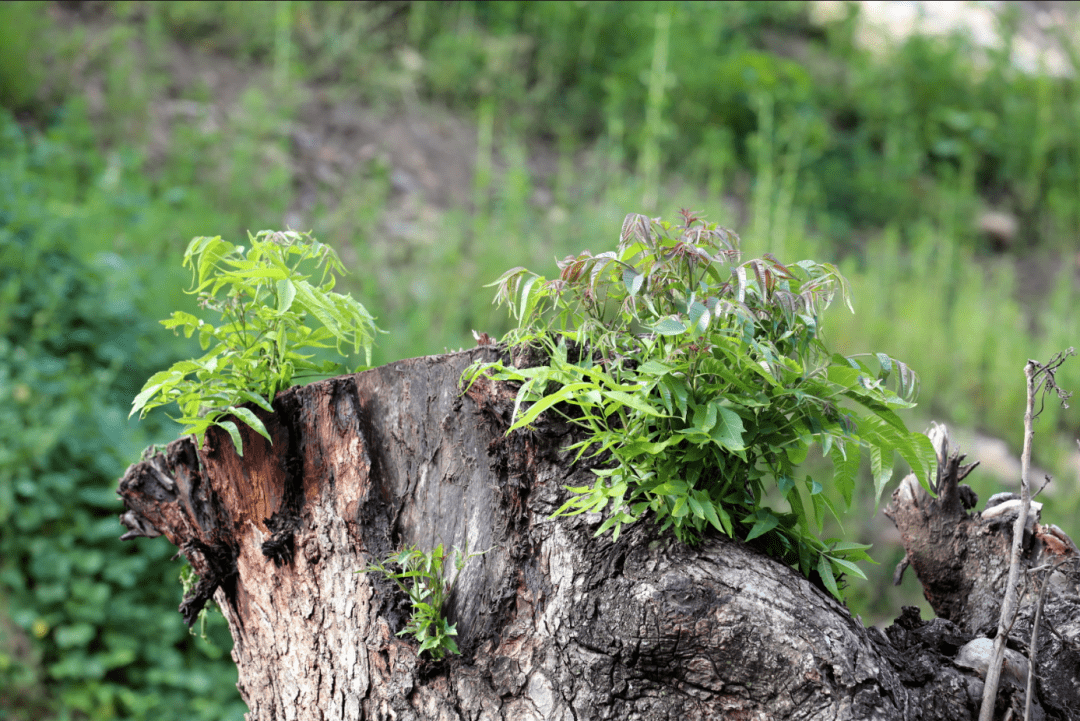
[263,297]
[701,382]
[421,579]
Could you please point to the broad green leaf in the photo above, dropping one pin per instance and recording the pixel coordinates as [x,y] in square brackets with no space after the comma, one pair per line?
[712,517]
[797,452]
[705,417]
[669,326]
[924,457]
[597,375]
[763,523]
[699,316]
[914,448]
[785,484]
[209,252]
[728,431]
[679,392]
[286,293]
[850,546]
[146,394]
[671,488]
[845,376]
[725,520]
[608,524]
[847,566]
[654,368]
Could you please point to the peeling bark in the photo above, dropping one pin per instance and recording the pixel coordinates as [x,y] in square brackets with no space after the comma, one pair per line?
[553,623]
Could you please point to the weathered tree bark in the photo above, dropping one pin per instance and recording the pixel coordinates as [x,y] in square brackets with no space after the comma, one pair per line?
[553,623]
[962,561]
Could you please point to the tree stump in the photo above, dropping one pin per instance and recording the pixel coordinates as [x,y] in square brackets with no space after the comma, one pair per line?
[553,622]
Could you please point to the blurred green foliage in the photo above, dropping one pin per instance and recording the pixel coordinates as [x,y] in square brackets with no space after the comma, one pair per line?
[878,138]
[20,25]
[73,348]
[787,130]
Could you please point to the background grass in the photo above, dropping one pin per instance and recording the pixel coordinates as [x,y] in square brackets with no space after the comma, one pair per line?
[127,128]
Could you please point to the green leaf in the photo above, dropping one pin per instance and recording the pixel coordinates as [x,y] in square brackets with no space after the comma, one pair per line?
[252,420]
[705,417]
[567,392]
[632,280]
[728,431]
[699,317]
[845,460]
[679,391]
[669,326]
[797,452]
[710,514]
[825,570]
[256,399]
[764,521]
[527,300]
[286,293]
[725,520]
[881,468]
[674,487]
[269,273]
[847,567]
[785,484]
[633,401]
[143,397]
[639,447]
[696,506]
[234,433]
[654,368]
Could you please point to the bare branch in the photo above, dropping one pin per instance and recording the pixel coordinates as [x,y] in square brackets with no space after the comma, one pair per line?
[1033,648]
[1039,378]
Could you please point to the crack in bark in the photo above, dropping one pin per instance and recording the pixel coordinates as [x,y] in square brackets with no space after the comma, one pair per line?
[285,521]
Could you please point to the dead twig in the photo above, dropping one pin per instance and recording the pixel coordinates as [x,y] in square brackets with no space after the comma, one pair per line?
[1033,647]
[1039,378]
